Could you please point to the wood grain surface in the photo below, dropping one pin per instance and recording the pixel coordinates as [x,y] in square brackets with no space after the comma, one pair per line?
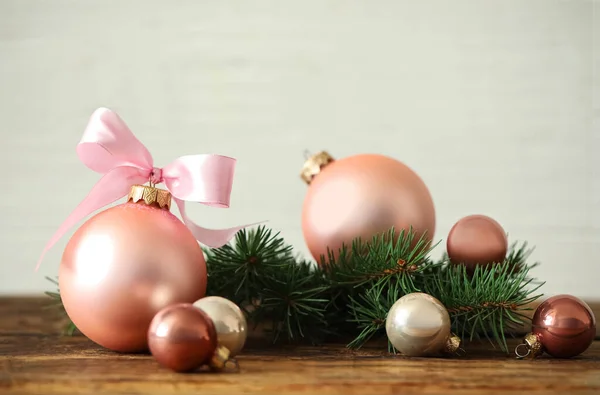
[36,359]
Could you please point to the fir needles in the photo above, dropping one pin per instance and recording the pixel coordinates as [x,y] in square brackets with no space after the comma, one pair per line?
[57,304]
[350,293]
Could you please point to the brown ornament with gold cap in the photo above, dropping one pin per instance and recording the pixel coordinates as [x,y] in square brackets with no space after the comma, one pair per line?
[563,326]
[184,338]
[361,196]
[125,264]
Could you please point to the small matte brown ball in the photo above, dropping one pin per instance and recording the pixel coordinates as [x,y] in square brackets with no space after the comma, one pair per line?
[476,240]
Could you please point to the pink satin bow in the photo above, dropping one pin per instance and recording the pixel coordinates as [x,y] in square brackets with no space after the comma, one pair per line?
[110,148]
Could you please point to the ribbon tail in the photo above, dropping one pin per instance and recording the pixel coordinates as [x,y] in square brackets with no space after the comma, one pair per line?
[213,238]
[112,186]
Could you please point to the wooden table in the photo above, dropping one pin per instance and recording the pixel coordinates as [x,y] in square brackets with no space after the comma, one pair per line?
[36,359]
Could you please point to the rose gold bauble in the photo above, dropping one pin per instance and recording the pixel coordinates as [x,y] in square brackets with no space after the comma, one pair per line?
[564,325]
[476,240]
[361,196]
[182,337]
[125,264]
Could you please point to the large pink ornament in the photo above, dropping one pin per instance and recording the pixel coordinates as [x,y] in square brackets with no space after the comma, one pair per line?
[130,261]
[123,266]
[362,196]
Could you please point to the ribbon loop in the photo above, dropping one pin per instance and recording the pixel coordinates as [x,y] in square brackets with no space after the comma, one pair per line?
[107,142]
[110,148]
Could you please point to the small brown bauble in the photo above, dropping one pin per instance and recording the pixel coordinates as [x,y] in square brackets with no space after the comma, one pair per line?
[565,326]
[476,240]
[182,337]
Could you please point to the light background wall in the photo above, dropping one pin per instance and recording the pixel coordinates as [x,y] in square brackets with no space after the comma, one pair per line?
[493,103]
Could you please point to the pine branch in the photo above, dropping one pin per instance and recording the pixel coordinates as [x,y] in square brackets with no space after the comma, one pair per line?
[517,257]
[386,256]
[260,269]
[70,328]
[492,302]
[379,273]
[369,311]
[235,270]
[489,304]
[293,300]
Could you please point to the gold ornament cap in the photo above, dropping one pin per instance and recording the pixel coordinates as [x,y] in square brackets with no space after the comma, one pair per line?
[150,195]
[220,359]
[314,165]
[533,347]
[452,345]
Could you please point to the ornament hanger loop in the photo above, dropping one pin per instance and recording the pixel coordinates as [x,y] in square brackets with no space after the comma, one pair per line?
[155,177]
[520,355]
[307,154]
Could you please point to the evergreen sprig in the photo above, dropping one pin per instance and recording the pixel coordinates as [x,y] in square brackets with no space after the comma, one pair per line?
[57,304]
[349,293]
[489,303]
